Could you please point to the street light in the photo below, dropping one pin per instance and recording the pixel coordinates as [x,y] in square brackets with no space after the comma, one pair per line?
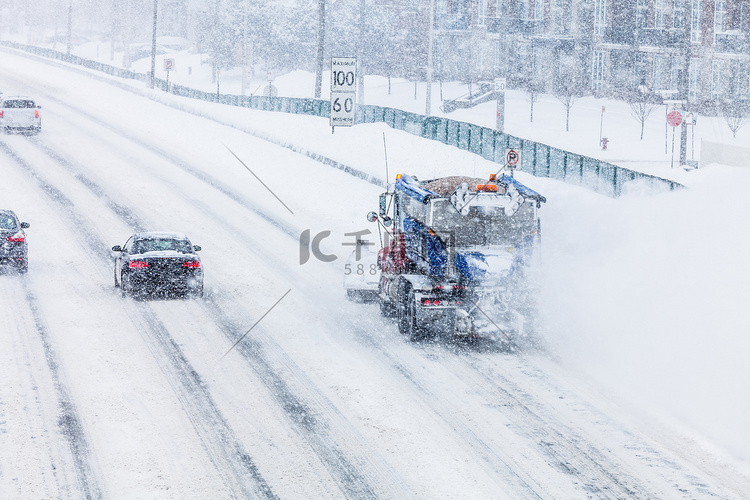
[430,35]
[152,76]
[70,24]
[321,41]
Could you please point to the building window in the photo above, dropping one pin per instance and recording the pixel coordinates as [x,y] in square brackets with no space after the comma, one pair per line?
[600,16]
[641,14]
[695,78]
[523,9]
[660,72]
[539,10]
[524,58]
[745,81]
[482,12]
[717,78]
[720,16]
[661,14]
[696,14]
[499,59]
[678,14]
[480,58]
[676,69]
[598,70]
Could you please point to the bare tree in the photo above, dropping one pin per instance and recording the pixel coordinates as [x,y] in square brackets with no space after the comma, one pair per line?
[735,113]
[568,90]
[641,106]
[533,90]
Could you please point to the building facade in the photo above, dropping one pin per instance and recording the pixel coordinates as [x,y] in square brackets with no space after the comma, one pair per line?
[697,50]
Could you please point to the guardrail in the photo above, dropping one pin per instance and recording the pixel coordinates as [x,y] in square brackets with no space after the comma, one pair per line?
[538,159]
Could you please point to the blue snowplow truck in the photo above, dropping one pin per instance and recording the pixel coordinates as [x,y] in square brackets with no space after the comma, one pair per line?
[458,257]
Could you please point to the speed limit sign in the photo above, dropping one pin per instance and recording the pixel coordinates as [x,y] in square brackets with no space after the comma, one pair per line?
[513,158]
[343,88]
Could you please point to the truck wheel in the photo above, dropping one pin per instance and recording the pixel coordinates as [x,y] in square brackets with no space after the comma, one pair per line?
[414,330]
[387,309]
[402,306]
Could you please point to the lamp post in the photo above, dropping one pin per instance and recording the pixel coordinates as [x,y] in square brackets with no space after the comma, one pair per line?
[430,62]
[321,41]
[685,91]
[152,76]
[70,25]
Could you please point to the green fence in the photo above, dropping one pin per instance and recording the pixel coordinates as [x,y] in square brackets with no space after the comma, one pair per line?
[538,159]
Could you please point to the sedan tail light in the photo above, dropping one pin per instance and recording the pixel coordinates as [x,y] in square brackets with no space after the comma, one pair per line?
[193,264]
[36,113]
[137,264]
[17,238]
[2,113]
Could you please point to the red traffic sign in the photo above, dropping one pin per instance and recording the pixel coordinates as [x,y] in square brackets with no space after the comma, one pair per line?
[512,157]
[674,118]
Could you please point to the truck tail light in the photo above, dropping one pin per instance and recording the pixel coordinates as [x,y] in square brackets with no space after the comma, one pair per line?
[137,264]
[192,264]
[2,113]
[36,113]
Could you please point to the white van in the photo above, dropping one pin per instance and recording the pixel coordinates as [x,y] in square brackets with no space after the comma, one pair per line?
[19,113]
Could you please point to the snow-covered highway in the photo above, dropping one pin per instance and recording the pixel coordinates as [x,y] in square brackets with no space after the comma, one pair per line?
[105,397]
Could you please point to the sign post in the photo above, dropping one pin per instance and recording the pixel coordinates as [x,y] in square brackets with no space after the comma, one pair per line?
[168,66]
[674,119]
[513,159]
[500,84]
[664,94]
[343,91]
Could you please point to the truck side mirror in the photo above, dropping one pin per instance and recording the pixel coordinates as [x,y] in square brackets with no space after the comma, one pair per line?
[372,217]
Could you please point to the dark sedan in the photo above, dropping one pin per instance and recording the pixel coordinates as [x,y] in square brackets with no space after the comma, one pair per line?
[14,249]
[158,263]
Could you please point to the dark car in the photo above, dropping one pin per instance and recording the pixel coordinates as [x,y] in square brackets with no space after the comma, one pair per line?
[14,249]
[158,263]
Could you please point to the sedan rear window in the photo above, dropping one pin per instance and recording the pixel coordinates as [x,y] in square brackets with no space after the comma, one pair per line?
[18,103]
[7,222]
[162,244]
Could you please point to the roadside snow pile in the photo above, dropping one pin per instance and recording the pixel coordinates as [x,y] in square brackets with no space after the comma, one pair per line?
[648,295]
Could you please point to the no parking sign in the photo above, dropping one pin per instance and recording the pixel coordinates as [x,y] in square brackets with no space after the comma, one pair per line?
[513,158]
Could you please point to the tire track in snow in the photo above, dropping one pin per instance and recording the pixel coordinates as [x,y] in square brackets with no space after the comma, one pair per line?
[497,464]
[68,422]
[222,446]
[313,416]
[568,448]
[560,454]
[155,97]
[76,460]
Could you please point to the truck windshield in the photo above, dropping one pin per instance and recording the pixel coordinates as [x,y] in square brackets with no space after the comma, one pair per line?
[482,226]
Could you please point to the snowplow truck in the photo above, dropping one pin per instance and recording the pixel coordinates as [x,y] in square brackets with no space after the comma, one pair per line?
[458,256]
